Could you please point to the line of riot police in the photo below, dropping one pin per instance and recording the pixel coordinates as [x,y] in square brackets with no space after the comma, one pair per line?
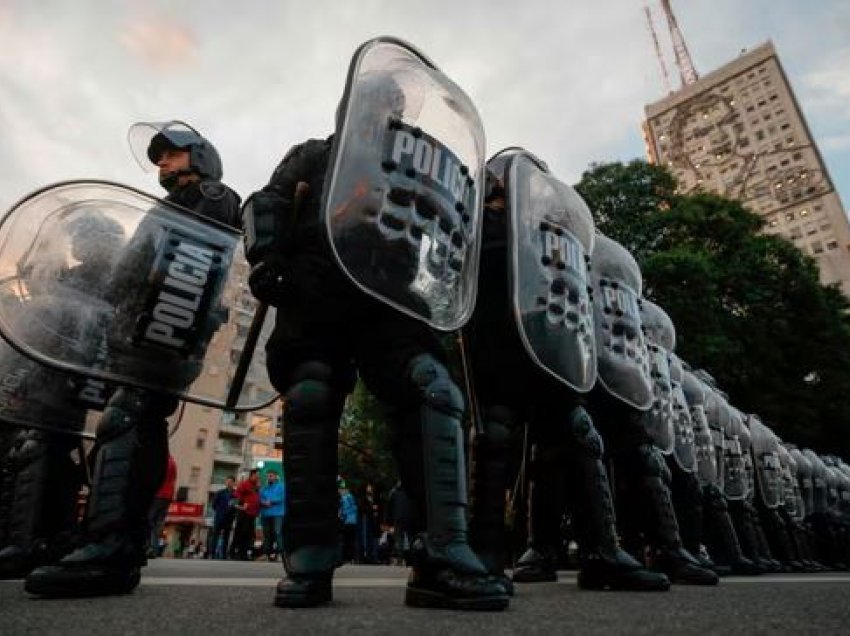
[367,244]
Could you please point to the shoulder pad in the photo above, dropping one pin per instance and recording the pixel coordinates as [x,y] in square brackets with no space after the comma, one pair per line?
[213,190]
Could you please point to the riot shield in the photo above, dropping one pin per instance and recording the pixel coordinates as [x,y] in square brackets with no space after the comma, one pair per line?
[819,486]
[684,451]
[104,281]
[623,359]
[765,452]
[35,396]
[719,417]
[706,460]
[734,477]
[804,479]
[790,488]
[661,339]
[403,199]
[551,236]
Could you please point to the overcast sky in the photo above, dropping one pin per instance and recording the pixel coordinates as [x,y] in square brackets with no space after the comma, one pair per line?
[567,79]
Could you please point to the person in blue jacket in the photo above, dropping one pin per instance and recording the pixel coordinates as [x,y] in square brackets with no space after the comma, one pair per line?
[271,515]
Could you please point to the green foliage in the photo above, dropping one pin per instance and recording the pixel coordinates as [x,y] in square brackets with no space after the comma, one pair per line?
[364,442]
[747,306]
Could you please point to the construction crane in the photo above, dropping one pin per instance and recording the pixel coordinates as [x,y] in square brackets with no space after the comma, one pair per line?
[658,53]
[687,71]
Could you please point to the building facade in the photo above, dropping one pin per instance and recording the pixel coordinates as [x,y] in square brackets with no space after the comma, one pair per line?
[739,132]
[207,444]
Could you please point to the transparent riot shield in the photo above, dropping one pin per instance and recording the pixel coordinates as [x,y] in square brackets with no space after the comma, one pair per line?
[765,452]
[623,359]
[104,281]
[790,488]
[804,479]
[734,478]
[403,199]
[33,396]
[551,237]
[706,459]
[719,417]
[684,450]
[661,340]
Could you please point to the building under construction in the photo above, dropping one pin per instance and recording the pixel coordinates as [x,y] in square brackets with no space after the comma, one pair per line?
[739,132]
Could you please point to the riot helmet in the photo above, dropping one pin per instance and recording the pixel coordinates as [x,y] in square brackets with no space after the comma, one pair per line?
[148,140]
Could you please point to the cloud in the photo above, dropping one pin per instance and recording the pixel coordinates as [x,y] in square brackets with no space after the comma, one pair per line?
[161,44]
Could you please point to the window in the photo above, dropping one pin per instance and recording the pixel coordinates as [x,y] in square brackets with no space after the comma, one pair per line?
[201,442]
[774,97]
[817,247]
[811,228]
[825,226]
[832,245]
[195,476]
[759,135]
[797,156]
[795,233]
[789,216]
[785,126]
[773,222]
[804,212]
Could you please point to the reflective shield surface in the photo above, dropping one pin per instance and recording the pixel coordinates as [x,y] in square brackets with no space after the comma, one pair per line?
[104,281]
[403,200]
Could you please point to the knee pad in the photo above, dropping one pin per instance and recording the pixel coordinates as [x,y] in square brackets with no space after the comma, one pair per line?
[584,434]
[312,393]
[652,463]
[497,422]
[435,386]
[28,446]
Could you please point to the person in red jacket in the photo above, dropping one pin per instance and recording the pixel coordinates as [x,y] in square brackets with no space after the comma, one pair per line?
[159,508]
[248,508]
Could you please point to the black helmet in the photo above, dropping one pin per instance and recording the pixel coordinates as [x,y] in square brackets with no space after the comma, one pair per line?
[149,139]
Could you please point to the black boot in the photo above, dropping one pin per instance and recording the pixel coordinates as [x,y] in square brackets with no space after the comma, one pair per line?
[429,447]
[489,483]
[669,555]
[43,501]
[546,499]
[602,563]
[312,409]
[724,540]
[130,462]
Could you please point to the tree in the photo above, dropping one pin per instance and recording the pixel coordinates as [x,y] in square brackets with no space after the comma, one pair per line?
[747,306]
[365,455]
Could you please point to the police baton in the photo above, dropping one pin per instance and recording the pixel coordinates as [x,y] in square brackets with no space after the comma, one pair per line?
[256,327]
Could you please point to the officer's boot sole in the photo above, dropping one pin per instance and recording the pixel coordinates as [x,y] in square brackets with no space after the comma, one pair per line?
[420,597]
[59,582]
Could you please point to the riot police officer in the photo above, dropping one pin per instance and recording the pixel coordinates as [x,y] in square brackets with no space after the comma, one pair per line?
[131,449]
[542,332]
[620,405]
[48,410]
[359,248]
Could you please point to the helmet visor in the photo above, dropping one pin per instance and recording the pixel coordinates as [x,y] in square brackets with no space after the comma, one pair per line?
[148,139]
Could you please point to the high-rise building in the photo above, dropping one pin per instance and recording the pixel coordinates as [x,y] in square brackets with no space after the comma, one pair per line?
[209,445]
[739,132]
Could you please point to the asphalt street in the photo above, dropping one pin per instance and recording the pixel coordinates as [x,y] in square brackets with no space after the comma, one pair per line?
[210,597]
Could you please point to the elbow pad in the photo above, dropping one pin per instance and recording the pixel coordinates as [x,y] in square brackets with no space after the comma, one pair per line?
[263,217]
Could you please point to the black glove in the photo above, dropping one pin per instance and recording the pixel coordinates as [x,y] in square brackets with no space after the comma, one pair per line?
[267,280]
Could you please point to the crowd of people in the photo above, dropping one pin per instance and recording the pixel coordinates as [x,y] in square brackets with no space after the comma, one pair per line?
[367,243]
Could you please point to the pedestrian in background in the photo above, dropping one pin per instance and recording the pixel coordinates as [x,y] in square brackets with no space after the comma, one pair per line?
[271,516]
[224,511]
[247,510]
